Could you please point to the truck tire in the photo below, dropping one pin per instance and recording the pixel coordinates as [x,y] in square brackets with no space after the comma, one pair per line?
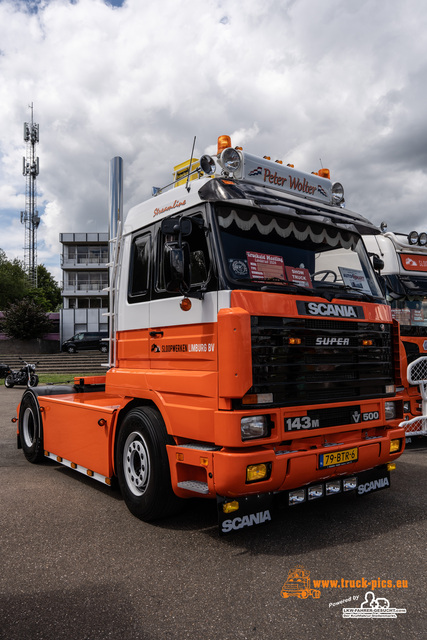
[31,428]
[143,467]
[8,382]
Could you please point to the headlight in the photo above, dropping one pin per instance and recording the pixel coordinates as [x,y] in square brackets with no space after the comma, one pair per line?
[255,427]
[230,160]
[337,193]
[390,410]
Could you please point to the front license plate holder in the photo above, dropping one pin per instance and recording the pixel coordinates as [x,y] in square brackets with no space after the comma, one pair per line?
[337,458]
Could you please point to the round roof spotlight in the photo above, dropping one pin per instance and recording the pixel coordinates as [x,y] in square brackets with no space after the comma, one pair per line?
[337,193]
[207,165]
[230,159]
[413,237]
[422,239]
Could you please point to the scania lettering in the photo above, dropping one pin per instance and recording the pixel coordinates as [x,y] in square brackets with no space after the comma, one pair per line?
[404,272]
[382,483]
[242,359]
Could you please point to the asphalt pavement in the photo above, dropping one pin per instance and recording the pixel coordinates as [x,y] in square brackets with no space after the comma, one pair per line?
[76,564]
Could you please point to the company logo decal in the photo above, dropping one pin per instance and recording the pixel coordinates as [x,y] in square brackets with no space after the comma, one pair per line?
[372,607]
[322,191]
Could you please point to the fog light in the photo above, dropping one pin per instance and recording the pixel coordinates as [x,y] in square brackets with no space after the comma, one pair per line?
[229,507]
[390,410]
[333,487]
[348,484]
[407,407]
[254,427]
[395,445]
[316,491]
[256,472]
[297,496]
[391,466]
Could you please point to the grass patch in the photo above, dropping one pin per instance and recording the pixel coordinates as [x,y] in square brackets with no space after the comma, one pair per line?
[59,378]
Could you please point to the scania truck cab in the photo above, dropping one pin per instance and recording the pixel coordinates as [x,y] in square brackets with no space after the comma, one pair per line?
[241,368]
[404,272]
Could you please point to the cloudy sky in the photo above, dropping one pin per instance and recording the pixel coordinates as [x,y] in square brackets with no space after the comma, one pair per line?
[337,82]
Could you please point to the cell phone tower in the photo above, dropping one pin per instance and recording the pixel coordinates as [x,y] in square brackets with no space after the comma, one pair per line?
[30,217]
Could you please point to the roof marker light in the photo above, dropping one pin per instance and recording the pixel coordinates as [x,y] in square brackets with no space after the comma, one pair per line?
[324,173]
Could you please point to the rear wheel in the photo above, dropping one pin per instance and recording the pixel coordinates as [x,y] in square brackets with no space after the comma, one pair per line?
[9,381]
[31,428]
[143,466]
[34,380]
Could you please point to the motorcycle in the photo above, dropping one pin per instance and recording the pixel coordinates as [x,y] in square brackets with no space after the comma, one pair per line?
[25,375]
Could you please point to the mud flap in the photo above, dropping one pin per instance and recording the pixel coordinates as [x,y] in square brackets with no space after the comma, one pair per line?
[244,511]
[373,480]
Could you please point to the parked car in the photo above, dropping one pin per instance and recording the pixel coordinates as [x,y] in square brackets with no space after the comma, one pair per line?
[85,340]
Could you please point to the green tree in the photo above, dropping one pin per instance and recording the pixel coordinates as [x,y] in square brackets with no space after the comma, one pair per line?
[13,281]
[25,320]
[48,294]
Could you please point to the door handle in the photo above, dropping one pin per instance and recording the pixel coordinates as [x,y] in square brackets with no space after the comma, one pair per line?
[156,334]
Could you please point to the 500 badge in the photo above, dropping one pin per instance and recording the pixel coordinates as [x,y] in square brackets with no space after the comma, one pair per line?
[297,423]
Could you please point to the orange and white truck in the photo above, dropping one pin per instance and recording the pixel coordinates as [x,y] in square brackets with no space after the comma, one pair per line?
[241,369]
[404,272]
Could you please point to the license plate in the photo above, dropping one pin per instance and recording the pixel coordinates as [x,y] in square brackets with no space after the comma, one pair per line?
[337,457]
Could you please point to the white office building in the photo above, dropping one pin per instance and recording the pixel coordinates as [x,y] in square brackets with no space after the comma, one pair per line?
[84,277]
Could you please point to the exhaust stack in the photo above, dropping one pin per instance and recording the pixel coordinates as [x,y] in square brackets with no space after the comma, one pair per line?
[114,233]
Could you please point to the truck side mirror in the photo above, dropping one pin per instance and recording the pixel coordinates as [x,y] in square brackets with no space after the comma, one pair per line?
[377,263]
[176,267]
[176,226]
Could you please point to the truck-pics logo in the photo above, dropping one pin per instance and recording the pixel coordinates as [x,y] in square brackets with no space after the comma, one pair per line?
[298,584]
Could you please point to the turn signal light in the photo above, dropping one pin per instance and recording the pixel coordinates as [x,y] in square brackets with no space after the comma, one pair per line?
[229,507]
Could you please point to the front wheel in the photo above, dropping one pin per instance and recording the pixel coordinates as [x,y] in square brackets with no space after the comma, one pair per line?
[34,380]
[143,466]
[9,382]
[31,428]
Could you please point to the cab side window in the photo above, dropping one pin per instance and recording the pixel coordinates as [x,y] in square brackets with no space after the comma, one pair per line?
[139,272]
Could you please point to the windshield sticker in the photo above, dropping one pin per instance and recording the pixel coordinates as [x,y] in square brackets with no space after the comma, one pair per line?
[354,278]
[238,268]
[265,267]
[299,276]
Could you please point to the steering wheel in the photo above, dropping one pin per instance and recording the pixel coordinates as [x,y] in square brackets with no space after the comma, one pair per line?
[325,274]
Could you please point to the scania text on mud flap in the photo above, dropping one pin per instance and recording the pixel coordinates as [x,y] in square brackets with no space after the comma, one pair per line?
[251,350]
[404,273]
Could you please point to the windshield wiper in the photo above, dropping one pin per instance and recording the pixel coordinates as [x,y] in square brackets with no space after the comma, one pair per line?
[349,292]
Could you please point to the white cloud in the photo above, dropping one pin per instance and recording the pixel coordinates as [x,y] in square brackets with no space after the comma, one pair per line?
[343,82]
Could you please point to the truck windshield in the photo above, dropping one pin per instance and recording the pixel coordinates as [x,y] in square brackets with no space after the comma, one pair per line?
[287,254]
[411,314]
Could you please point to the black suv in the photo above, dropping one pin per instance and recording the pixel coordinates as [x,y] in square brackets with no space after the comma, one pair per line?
[86,340]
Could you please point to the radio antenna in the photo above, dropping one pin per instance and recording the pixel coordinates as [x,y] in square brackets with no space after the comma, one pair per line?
[189,166]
